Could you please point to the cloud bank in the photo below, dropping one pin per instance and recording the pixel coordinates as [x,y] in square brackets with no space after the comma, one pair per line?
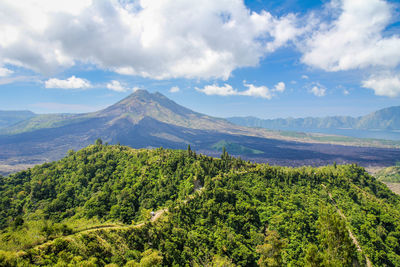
[164,39]
[158,39]
[355,39]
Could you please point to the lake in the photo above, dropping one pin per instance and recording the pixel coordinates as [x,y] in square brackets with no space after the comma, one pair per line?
[376,134]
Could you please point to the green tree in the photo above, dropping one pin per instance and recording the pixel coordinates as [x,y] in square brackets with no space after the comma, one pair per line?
[338,248]
[313,258]
[271,251]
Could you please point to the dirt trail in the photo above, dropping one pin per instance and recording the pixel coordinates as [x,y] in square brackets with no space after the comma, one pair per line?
[154,218]
[353,238]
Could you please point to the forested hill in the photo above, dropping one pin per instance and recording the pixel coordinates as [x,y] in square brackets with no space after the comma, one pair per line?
[383,119]
[219,212]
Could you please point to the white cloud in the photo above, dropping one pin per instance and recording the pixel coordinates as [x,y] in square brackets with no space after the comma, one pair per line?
[346,92]
[116,86]
[257,91]
[384,85]
[4,72]
[151,38]
[305,77]
[280,87]
[174,89]
[252,90]
[318,90]
[355,39]
[70,83]
[218,90]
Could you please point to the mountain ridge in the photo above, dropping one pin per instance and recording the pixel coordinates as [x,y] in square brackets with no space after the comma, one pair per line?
[383,119]
[10,117]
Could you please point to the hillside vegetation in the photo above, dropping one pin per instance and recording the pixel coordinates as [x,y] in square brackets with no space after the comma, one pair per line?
[219,212]
[389,174]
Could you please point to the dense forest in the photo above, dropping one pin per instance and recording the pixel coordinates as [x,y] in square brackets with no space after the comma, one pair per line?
[93,208]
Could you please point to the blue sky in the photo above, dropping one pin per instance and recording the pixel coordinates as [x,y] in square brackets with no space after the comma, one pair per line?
[224,58]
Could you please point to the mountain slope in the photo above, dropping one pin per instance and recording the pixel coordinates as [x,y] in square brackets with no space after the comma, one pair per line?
[143,104]
[137,106]
[8,118]
[241,211]
[145,120]
[384,119]
[387,119]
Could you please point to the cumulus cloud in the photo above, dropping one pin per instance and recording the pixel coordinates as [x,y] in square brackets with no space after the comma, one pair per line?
[318,90]
[158,39]
[4,72]
[257,91]
[384,84]
[280,87]
[346,92]
[116,86]
[214,89]
[70,83]
[355,38]
[174,89]
[252,90]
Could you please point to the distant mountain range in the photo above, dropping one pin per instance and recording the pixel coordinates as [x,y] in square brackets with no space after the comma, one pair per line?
[384,119]
[8,118]
[147,120]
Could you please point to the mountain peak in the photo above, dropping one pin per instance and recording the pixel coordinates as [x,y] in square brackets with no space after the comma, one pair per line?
[141,104]
[143,95]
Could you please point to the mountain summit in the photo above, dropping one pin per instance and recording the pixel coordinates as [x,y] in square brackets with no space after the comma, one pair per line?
[142,104]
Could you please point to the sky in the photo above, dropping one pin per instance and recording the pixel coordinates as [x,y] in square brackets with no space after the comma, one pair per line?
[269,59]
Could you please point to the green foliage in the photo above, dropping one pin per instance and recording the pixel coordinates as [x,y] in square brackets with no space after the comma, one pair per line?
[336,245]
[234,148]
[390,174]
[98,142]
[271,250]
[218,212]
